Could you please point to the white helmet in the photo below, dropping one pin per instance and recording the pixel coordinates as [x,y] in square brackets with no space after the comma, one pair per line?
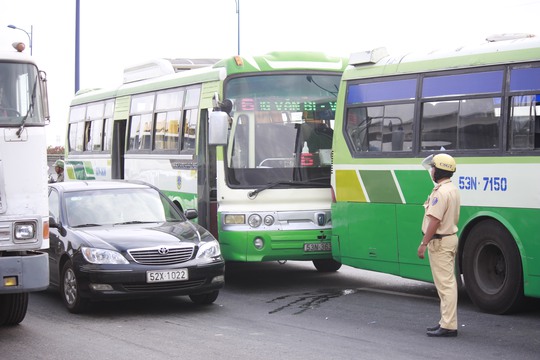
[440,161]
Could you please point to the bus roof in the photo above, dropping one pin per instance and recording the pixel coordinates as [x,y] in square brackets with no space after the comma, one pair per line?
[164,73]
[497,49]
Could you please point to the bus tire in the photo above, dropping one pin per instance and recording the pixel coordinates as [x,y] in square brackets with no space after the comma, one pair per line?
[492,268]
[204,299]
[13,308]
[69,289]
[326,265]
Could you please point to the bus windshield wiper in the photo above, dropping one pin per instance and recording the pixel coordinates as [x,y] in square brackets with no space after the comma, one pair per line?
[253,194]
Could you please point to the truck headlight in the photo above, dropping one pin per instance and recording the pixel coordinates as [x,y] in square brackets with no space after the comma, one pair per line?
[25,231]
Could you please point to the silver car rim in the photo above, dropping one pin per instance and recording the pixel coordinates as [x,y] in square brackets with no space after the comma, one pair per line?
[70,286]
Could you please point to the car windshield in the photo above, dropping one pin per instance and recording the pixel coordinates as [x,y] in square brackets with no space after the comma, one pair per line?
[118,206]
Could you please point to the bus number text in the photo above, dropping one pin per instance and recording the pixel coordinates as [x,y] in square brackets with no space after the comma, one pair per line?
[487,183]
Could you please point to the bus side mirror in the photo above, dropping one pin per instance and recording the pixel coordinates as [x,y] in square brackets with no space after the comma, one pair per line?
[218,128]
[191,214]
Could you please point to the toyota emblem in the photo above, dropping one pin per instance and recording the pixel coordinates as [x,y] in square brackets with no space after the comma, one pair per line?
[163,250]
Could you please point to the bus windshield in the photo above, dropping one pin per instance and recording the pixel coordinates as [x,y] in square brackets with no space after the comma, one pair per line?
[282,128]
[19,89]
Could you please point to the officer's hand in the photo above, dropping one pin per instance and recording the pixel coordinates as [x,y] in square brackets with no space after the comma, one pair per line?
[422,251]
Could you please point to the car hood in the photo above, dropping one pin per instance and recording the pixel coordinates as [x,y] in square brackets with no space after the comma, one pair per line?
[123,237]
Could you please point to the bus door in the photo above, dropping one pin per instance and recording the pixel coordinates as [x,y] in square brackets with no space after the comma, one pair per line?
[206,178]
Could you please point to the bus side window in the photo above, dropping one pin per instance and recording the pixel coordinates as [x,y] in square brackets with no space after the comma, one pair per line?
[87,136]
[356,128]
[190,129]
[523,123]
[478,126]
[439,121]
[535,109]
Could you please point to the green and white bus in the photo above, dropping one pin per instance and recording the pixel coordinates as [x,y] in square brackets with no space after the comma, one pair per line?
[262,186]
[479,104]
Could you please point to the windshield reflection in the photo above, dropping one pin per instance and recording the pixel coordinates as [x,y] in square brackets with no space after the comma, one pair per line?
[282,129]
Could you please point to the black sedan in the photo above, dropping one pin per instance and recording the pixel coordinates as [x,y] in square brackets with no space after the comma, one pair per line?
[119,239]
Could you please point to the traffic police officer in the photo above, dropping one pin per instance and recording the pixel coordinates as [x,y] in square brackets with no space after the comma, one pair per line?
[439,227]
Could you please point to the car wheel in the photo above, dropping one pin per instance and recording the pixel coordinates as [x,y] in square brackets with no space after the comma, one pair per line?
[326,265]
[492,268]
[204,299]
[69,289]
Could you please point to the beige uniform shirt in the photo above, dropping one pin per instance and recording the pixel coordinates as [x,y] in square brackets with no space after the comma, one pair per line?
[443,204]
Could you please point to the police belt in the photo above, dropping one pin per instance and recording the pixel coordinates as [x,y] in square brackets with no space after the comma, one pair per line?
[440,236]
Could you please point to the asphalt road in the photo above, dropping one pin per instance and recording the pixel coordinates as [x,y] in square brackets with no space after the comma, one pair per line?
[274,311]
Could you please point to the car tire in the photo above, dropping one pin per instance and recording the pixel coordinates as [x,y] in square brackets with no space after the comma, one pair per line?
[204,299]
[326,265]
[69,289]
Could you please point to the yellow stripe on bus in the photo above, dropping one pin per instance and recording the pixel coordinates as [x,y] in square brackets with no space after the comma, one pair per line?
[348,186]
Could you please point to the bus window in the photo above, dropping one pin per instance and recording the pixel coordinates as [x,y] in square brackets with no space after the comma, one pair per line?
[107,134]
[190,129]
[479,123]
[356,128]
[524,122]
[166,130]
[76,136]
[385,128]
[140,132]
[168,114]
[460,124]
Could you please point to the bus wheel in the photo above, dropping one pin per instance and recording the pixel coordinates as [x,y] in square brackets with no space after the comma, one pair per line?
[492,268]
[13,308]
[326,265]
[69,289]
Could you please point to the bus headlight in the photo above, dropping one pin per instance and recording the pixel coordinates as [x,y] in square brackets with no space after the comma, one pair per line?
[232,219]
[258,243]
[268,220]
[25,231]
[254,220]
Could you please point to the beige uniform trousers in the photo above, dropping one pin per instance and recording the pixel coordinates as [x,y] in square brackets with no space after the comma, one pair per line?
[442,255]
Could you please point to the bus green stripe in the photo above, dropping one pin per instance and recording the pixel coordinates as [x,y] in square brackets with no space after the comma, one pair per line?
[380,186]
[415,185]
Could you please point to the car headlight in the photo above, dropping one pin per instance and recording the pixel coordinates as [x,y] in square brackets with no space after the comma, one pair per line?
[101,256]
[209,250]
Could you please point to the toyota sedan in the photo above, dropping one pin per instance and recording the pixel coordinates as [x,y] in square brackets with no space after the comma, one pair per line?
[119,239]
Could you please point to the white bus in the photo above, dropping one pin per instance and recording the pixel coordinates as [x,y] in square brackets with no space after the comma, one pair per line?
[264,192]
[24,225]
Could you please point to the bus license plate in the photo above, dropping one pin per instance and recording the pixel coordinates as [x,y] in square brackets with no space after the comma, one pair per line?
[317,247]
[166,275]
